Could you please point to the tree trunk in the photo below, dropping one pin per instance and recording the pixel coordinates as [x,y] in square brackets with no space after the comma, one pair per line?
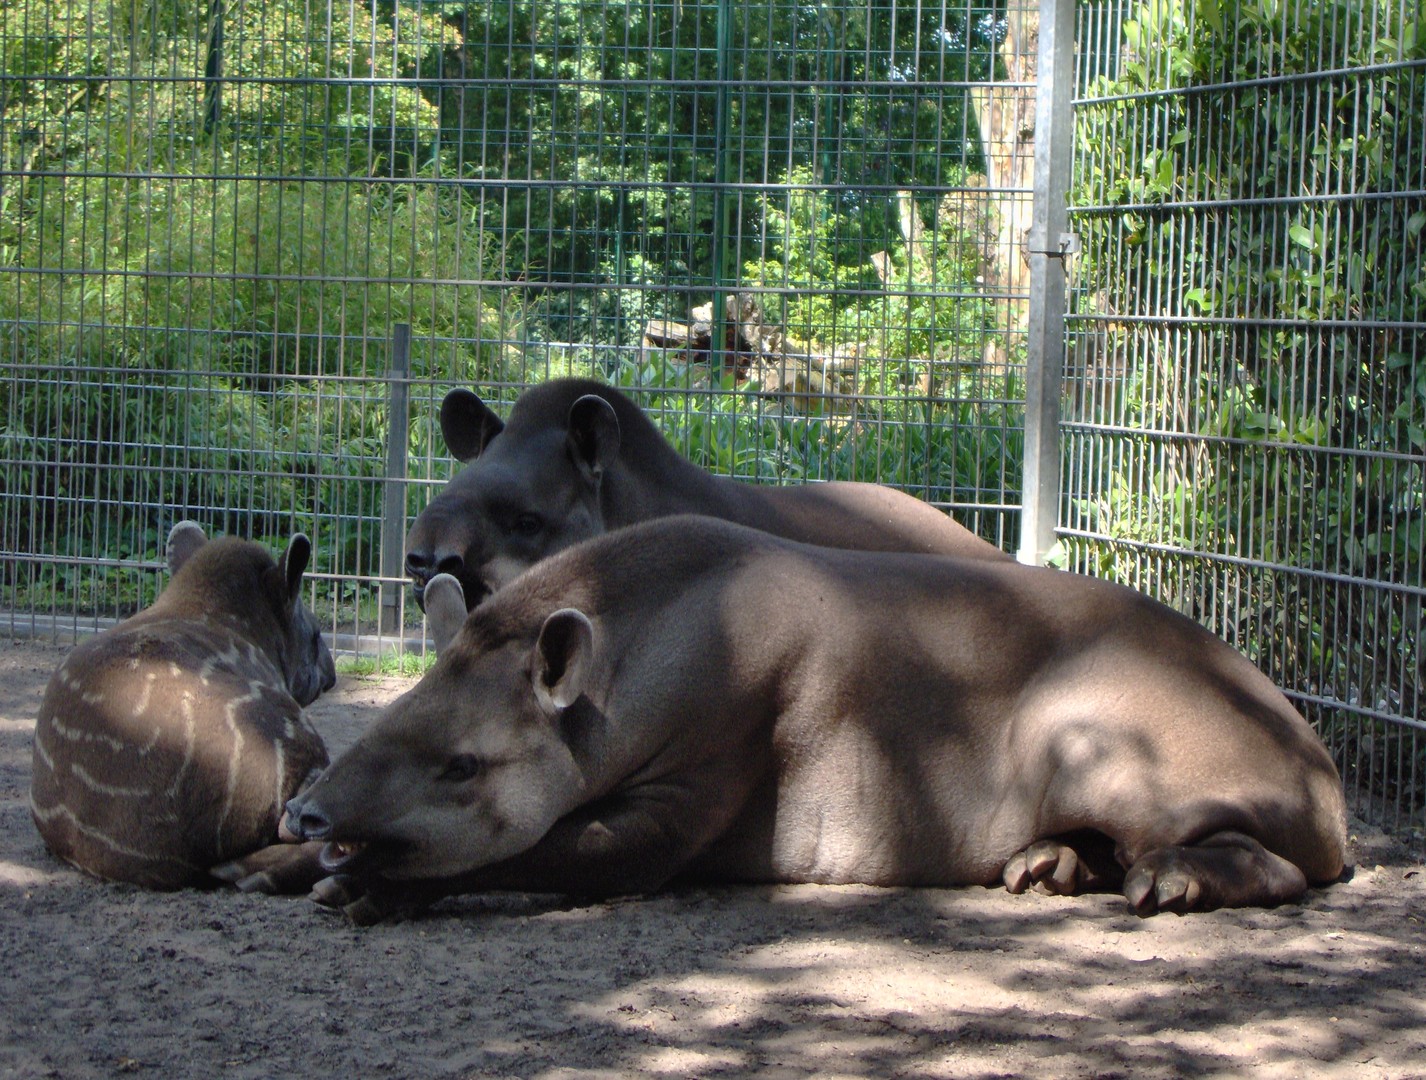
[1006,115]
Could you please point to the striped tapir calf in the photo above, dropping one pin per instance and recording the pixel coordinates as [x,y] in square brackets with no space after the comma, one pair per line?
[170,743]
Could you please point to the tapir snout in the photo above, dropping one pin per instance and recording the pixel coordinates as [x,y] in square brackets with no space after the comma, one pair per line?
[438,544]
[306,822]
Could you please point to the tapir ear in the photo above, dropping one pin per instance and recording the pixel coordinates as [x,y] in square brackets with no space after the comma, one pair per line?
[468,424]
[294,563]
[593,435]
[563,655]
[184,539]
[445,610]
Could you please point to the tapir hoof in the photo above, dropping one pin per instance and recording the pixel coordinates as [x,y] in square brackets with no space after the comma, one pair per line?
[280,869]
[343,891]
[1227,869]
[1052,866]
[1056,867]
[335,890]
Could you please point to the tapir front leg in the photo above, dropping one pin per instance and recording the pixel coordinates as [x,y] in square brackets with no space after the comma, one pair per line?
[279,869]
[606,849]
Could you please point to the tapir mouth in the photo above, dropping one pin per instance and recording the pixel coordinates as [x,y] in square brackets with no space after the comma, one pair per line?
[475,592]
[341,855]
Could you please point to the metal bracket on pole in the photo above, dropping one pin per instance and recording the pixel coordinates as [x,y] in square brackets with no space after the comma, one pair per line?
[1068,245]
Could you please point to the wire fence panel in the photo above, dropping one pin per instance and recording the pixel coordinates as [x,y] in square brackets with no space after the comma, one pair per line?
[1246,422]
[789,230]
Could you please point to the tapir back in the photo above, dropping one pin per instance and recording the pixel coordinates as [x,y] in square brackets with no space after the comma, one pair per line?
[170,743]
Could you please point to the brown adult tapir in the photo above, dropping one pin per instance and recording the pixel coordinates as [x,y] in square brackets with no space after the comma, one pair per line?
[170,743]
[691,698]
[578,458]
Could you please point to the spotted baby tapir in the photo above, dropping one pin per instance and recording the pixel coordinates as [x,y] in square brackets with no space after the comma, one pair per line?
[169,744]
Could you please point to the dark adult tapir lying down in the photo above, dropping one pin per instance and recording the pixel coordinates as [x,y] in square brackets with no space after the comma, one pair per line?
[691,698]
[578,457]
[171,742]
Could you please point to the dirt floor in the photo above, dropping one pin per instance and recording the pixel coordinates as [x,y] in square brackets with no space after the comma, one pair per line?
[771,982]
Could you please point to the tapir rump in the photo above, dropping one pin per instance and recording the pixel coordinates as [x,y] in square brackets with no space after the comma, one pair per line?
[170,743]
[692,698]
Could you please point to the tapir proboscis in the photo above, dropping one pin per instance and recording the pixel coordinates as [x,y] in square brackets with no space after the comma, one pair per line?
[169,744]
[689,698]
[578,458]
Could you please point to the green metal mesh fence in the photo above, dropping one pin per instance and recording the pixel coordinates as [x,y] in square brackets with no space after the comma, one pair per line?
[780,225]
[1246,422]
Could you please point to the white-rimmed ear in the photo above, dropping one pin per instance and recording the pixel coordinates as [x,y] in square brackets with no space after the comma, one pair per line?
[467,424]
[559,668]
[445,610]
[183,540]
[294,564]
[593,435]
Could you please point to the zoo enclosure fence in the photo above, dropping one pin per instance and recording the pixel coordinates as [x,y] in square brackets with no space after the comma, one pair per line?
[247,248]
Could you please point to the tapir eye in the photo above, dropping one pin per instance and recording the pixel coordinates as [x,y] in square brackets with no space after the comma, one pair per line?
[529,525]
[462,767]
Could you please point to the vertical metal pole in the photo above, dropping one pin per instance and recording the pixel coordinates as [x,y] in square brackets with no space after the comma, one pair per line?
[213,69]
[721,205]
[393,501]
[1049,243]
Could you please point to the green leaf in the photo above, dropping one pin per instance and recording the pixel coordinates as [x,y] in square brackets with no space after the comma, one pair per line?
[1302,236]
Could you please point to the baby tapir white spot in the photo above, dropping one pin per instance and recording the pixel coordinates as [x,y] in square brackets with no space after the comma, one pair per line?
[170,743]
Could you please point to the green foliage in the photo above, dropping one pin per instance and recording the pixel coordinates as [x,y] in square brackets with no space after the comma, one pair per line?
[405,665]
[172,300]
[583,105]
[255,271]
[818,257]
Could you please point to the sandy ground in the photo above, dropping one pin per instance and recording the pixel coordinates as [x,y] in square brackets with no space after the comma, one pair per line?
[775,982]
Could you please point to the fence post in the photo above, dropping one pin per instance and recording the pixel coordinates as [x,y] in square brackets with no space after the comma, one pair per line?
[723,42]
[1049,243]
[393,502]
[213,69]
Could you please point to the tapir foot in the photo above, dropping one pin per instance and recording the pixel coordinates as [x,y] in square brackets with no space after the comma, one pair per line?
[361,906]
[1227,869]
[277,869]
[1063,866]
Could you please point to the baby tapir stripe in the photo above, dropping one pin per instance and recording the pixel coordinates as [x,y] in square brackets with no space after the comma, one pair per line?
[170,743]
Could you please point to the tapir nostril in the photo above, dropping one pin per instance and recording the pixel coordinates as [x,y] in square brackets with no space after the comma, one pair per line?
[307,821]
